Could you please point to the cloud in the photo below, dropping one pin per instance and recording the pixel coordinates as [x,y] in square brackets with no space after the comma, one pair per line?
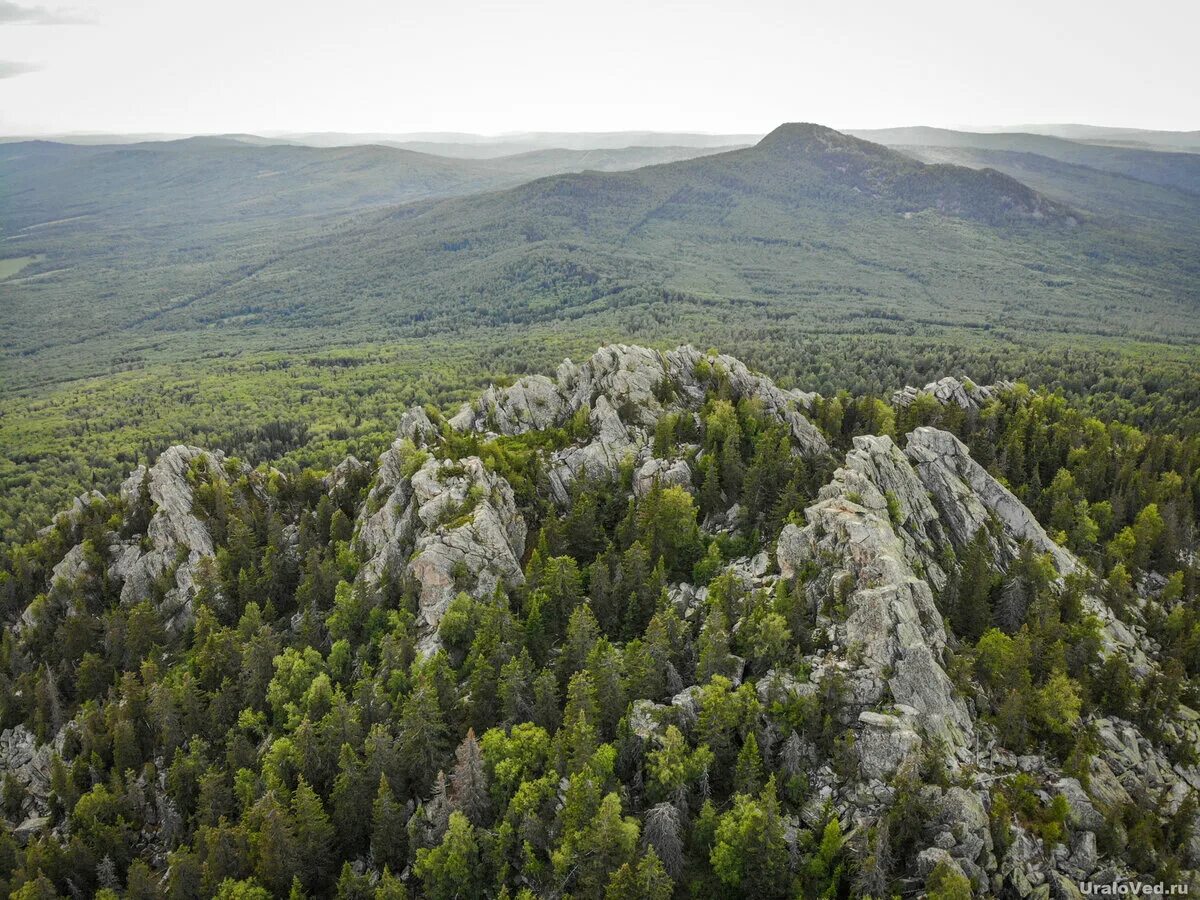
[13,69]
[15,14]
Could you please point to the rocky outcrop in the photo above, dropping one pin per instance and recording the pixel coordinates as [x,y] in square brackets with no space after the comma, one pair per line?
[890,629]
[870,553]
[664,473]
[177,538]
[28,762]
[532,403]
[625,391]
[967,497]
[951,391]
[884,743]
[610,444]
[450,526]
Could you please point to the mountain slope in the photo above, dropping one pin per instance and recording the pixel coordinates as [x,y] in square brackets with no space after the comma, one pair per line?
[1178,170]
[809,223]
[1107,193]
[216,179]
[809,229]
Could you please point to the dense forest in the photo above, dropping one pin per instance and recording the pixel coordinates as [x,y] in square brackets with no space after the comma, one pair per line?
[633,685]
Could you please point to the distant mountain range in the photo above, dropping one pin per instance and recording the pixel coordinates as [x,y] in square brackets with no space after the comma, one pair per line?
[242,242]
[229,177]
[1180,170]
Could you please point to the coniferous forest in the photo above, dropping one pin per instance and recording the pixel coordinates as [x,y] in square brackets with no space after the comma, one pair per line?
[626,633]
[629,515]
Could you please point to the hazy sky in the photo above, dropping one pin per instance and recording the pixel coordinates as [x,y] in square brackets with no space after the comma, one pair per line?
[511,65]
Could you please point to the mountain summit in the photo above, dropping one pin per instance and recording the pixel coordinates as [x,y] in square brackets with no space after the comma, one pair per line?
[823,155]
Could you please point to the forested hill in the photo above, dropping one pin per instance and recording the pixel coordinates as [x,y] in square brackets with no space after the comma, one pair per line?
[206,180]
[810,229]
[654,627]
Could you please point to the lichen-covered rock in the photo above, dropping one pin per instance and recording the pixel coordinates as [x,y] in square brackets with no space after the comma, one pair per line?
[177,536]
[473,538]
[892,628]
[625,391]
[451,526]
[345,473]
[71,566]
[532,403]
[884,742]
[967,496]
[666,473]
[610,445]
[947,391]
[29,763]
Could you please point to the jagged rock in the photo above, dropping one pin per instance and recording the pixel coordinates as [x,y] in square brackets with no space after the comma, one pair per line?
[30,828]
[950,390]
[348,470]
[626,389]
[611,444]
[665,473]
[687,702]
[884,742]
[70,517]
[1063,888]
[178,538]
[1082,813]
[879,477]
[452,526]
[645,719]
[966,496]
[1084,855]
[70,566]
[892,627]
[532,403]
[29,763]
[790,551]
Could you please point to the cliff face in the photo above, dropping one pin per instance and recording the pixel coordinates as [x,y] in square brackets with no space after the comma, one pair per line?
[874,552]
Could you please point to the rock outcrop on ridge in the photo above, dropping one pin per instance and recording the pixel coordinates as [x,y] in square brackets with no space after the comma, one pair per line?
[892,630]
[948,391]
[450,526]
[870,558]
[873,543]
[177,536]
[626,390]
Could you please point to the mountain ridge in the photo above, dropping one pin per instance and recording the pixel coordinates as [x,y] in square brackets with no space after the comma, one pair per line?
[829,632]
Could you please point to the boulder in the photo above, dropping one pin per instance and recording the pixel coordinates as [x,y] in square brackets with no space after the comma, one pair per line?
[665,473]
[884,742]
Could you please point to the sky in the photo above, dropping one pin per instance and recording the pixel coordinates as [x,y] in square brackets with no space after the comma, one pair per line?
[397,66]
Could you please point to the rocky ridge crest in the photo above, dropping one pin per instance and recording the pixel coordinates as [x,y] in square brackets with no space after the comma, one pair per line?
[872,550]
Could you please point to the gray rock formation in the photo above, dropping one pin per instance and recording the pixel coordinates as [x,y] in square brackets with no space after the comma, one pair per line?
[665,472]
[967,496]
[891,628]
[177,537]
[884,743]
[626,390]
[532,403]
[29,763]
[947,391]
[451,526]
